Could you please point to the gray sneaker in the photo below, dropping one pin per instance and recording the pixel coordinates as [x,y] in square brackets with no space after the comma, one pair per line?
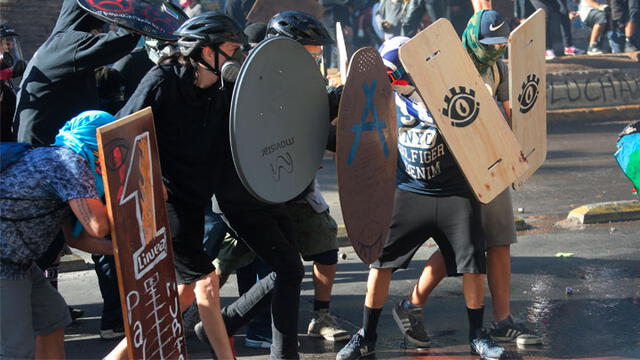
[325,325]
[409,319]
[509,331]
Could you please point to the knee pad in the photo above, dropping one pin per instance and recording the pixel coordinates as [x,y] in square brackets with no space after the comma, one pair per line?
[326,258]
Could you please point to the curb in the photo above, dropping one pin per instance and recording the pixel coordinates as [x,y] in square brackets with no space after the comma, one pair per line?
[611,113]
[613,211]
[73,262]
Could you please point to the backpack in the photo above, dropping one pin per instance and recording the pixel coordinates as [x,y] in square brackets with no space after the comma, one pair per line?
[11,152]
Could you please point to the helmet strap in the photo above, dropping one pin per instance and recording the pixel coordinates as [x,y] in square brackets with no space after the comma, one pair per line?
[214,69]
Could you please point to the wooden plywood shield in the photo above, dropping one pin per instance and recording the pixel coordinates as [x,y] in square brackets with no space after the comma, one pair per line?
[367,154]
[467,116]
[141,238]
[263,10]
[158,19]
[343,56]
[528,91]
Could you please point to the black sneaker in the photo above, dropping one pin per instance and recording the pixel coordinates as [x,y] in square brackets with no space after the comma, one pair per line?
[484,346]
[75,313]
[629,47]
[198,329]
[358,347]
[200,333]
[114,333]
[409,320]
[508,330]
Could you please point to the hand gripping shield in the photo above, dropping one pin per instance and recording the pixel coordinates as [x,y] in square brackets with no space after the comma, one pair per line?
[279,120]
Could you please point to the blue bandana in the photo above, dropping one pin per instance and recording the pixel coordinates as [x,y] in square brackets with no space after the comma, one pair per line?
[79,135]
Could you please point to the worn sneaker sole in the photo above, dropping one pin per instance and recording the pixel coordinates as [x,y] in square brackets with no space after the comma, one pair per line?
[520,340]
[474,352]
[416,342]
[334,338]
[526,340]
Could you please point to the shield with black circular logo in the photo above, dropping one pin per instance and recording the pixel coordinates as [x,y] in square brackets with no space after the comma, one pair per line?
[279,120]
[528,91]
[467,115]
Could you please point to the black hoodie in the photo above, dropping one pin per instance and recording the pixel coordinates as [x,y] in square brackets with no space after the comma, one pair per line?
[59,82]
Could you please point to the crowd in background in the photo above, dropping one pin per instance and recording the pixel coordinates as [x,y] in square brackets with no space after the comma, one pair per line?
[612,23]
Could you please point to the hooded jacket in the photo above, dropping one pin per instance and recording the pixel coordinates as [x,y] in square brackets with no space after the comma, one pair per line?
[191,128]
[59,82]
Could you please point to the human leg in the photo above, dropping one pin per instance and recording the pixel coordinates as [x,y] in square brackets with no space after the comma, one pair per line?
[111,326]
[541,4]
[208,300]
[268,232]
[50,346]
[50,315]
[407,232]
[363,343]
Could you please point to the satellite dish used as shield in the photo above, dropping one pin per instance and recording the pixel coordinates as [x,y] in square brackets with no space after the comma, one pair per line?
[279,120]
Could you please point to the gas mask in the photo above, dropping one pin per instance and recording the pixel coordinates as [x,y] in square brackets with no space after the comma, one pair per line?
[231,67]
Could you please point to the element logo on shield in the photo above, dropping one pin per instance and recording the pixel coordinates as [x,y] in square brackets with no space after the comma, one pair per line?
[529,93]
[283,162]
[112,5]
[461,106]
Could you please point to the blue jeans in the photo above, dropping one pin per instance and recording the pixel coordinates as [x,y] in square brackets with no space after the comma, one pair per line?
[215,230]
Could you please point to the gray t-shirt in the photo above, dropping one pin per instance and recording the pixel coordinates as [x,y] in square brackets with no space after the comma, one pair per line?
[500,88]
[33,204]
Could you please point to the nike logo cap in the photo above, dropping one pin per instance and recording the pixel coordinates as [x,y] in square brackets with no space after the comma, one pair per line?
[493,28]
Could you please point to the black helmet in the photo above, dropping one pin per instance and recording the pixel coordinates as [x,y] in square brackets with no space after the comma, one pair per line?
[207,29]
[6,30]
[299,26]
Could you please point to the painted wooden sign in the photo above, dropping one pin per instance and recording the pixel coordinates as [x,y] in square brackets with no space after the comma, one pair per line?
[467,116]
[141,238]
[263,10]
[367,154]
[528,91]
[343,56]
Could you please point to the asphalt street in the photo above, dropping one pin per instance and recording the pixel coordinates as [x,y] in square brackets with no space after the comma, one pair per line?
[585,306]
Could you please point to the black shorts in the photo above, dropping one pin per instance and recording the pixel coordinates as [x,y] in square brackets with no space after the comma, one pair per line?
[187,232]
[452,221]
[596,17]
[623,11]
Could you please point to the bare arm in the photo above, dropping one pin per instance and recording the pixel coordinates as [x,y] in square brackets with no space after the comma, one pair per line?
[593,3]
[481,5]
[86,242]
[507,110]
[92,214]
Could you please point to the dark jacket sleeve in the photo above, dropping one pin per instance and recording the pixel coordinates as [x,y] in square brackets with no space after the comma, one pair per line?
[334,94]
[148,93]
[93,51]
[415,13]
